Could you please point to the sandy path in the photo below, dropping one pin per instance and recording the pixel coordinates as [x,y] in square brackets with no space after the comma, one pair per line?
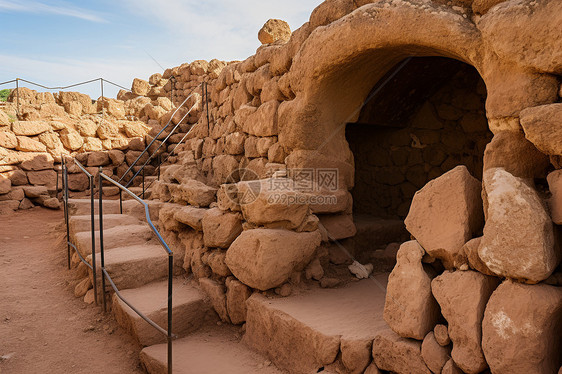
[43,327]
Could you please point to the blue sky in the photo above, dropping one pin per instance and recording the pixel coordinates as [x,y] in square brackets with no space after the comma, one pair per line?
[56,42]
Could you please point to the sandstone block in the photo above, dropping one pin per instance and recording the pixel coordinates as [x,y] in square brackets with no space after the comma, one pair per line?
[140,87]
[18,177]
[216,292]
[5,185]
[29,128]
[43,178]
[462,296]
[26,144]
[39,162]
[410,309]
[446,213]
[236,295]
[441,334]
[340,226]
[98,159]
[470,249]
[263,122]
[86,127]
[518,239]
[33,192]
[356,354]
[398,355]
[197,193]
[220,229]
[555,186]
[265,258]
[190,216]
[522,329]
[71,139]
[8,140]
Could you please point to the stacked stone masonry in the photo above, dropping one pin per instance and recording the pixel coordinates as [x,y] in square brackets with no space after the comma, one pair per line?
[478,286]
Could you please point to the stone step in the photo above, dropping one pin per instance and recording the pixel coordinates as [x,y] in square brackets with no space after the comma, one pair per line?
[81,207]
[115,237]
[134,266]
[208,351]
[83,223]
[309,331]
[190,310]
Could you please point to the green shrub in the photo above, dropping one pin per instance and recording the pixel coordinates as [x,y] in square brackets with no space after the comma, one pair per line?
[4,94]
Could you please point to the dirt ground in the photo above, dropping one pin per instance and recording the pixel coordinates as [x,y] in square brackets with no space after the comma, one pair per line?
[43,327]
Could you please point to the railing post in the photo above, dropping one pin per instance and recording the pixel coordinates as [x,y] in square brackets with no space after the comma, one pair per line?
[18,97]
[120,202]
[143,183]
[170,278]
[65,204]
[92,219]
[102,256]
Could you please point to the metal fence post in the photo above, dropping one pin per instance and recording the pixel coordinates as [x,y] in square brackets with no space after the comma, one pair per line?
[102,257]
[92,219]
[18,97]
[65,204]
[170,285]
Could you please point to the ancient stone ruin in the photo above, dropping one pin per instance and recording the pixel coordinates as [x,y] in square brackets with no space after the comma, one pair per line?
[378,191]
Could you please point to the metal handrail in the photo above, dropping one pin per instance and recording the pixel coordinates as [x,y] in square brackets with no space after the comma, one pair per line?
[157,135]
[92,222]
[169,335]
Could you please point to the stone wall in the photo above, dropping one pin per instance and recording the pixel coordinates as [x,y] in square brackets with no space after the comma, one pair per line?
[456,287]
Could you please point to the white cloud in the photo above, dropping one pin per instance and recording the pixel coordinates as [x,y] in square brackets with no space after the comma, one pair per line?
[60,8]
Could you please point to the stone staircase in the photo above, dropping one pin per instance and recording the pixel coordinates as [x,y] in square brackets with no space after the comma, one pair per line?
[313,330]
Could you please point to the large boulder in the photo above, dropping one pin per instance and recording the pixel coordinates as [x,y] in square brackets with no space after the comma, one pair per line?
[518,239]
[434,355]
[555,186]
[140,87]
[462,296]
[445,214]
[274,30]
[542,126]
[39,162]
[410,309]
[522,329]
[30,128]
[8,139]
[265,258]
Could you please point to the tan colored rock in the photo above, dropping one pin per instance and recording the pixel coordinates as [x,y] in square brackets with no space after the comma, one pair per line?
[265,258]
[82,287]
[220,228]
[274,30]
[236,295]
[372,369]
[356,354]
[116,156]
[216,292]
[532,42]
[462,296]
[522,329]
[71,139]
[39,162]
[314,270]
[441,335]
[26,204]
[29,128]
[33,192]
[339,226]
[135,129]
[271,201]
[555,186]
[263,122]
[451,368]
[92,144]
[410,309]
[78,182]
[26,144]
[470,249]
[43,178]
[107,130]
[542,127]
[197,193]
[51,140]
[9,206]
[235,143]
[8,140]
[86,127]
[511,151]
[4,119]
[399,355]
[434,355]
[18,177]
[140,87]
[445,214]
[5,185]
[482,6]
[190,216]
[98,159]
[518,239]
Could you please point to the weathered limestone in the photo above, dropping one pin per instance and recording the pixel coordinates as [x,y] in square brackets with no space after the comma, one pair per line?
[220,229]
[518,239]
[522,329]
[216,293]
[555,203]
[29,128]
[462,296]
[410,309]
[542,127]
[274,30]
[236,295]
[445,214]
[275,254]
